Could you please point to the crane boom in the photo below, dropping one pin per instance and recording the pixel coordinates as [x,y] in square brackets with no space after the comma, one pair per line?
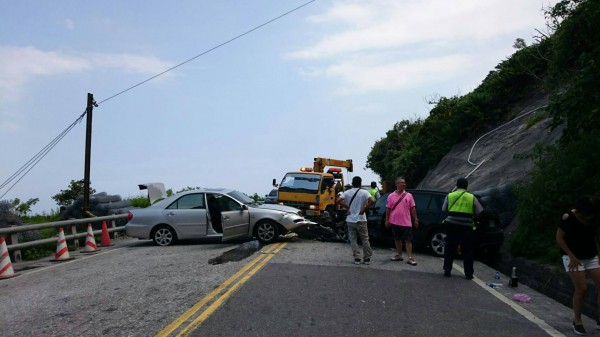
[320,163]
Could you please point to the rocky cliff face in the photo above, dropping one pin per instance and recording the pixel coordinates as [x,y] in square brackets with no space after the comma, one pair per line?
[489,161]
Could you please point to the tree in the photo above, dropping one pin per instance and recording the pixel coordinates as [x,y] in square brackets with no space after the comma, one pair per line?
[21,209]
[68,196]
[519,43]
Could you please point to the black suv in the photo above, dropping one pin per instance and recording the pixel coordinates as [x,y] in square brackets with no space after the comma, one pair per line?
[430,233]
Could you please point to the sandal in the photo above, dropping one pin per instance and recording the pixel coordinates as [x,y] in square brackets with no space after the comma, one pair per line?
[411,261]
[396,258]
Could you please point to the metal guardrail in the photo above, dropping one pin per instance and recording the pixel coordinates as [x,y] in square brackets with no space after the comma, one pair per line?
[15,247]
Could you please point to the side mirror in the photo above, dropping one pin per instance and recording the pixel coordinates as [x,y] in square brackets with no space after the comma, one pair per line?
[244,207]
[274,182]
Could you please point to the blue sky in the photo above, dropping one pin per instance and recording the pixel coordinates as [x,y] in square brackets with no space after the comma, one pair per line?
[327,80]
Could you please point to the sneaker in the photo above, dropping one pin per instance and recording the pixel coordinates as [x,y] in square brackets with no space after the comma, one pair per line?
[446,274]
[469,277]
[579,329]
[356,261]
[396,258]
[411,261]
[367,261]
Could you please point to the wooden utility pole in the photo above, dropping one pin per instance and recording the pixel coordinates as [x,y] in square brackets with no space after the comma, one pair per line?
[88,150]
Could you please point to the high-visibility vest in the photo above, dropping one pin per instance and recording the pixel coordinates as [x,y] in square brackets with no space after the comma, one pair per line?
[460,208]
[373,192]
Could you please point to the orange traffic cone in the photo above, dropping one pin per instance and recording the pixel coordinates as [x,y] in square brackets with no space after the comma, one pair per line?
[6,269]
[62,251]
[90,241]
[105,240]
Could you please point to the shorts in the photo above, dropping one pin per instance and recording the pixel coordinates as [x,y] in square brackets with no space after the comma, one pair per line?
[585,264]
[402,233]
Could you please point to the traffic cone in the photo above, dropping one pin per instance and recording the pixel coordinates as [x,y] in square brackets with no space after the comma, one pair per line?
[6,269]
[105,240]
[90,241]
[62,251]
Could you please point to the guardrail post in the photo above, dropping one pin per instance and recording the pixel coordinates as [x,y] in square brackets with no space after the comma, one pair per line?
[113,224]
[74,231]
[16,254]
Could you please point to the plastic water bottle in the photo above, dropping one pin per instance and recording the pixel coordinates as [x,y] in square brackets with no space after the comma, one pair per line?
[497,276]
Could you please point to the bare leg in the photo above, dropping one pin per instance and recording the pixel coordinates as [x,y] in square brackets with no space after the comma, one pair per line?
[594,274]
[409,248]
[398,247]
[580,284]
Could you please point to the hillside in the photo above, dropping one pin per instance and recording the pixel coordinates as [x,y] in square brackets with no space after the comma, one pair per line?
[497,150]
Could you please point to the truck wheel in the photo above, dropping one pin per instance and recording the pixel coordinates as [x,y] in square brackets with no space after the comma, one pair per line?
[341,229]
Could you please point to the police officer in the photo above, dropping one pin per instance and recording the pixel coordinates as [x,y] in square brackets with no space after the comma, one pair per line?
[374,191]
[462,207]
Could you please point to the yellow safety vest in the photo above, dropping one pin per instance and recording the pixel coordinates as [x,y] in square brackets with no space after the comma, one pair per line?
[460,208]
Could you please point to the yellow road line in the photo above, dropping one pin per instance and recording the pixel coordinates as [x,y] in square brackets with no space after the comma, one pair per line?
[190,312]
[219,301]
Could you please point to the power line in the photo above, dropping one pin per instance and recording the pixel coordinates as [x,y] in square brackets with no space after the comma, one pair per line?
[24,170]
[208,51]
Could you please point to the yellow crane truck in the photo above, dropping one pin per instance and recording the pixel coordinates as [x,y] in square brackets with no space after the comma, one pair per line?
[314,190]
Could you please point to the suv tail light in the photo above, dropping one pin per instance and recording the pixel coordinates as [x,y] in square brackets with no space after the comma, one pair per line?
[129,216]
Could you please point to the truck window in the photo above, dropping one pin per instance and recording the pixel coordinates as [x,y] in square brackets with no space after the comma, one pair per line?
[301,183]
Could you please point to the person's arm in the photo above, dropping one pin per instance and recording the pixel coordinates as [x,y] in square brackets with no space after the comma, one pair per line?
[477,208]
[367,205]
[387,217]
[413,212]
[560,240]
[341,202]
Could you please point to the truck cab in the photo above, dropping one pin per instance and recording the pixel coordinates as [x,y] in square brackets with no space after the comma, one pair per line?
[313,190]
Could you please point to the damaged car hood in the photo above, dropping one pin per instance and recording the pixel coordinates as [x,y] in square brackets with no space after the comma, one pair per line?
[277,207]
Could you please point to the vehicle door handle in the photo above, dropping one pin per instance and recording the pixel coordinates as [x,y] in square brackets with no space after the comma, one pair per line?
[225,218]
[170,214]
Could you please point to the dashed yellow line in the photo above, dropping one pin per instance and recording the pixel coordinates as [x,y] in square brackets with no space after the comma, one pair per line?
[256,264]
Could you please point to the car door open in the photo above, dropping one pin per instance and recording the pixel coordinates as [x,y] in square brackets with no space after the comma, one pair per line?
[235,218]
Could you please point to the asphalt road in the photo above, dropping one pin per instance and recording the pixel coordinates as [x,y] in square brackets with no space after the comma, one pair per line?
[294,288]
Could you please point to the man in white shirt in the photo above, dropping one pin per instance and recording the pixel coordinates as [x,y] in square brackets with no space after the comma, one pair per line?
[356,201]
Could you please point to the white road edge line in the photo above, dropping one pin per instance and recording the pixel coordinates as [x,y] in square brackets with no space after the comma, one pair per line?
[524,312]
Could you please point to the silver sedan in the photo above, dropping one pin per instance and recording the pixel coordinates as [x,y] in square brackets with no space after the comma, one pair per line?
[212,213]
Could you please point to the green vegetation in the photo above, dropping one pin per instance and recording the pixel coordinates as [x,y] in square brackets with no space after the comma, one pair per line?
[68,196]
[564,65]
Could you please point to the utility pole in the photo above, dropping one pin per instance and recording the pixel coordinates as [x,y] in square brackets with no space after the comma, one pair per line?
[88,149]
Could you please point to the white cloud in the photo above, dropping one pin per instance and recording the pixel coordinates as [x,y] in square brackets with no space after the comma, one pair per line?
[425,36]
[19,65]
[362,74]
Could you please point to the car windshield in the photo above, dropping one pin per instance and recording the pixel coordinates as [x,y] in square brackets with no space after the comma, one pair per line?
[241,197]
[300,183]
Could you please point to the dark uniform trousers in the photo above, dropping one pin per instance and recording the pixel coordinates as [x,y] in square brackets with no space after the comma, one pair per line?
[465,236]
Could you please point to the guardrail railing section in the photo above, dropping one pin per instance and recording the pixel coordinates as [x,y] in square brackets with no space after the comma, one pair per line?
[15,247]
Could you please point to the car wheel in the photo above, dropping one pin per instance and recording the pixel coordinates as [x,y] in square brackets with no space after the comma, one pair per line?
[437,242]
[267,231]
[164,236]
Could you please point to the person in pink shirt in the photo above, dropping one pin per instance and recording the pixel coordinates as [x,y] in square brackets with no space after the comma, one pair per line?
[400,215]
